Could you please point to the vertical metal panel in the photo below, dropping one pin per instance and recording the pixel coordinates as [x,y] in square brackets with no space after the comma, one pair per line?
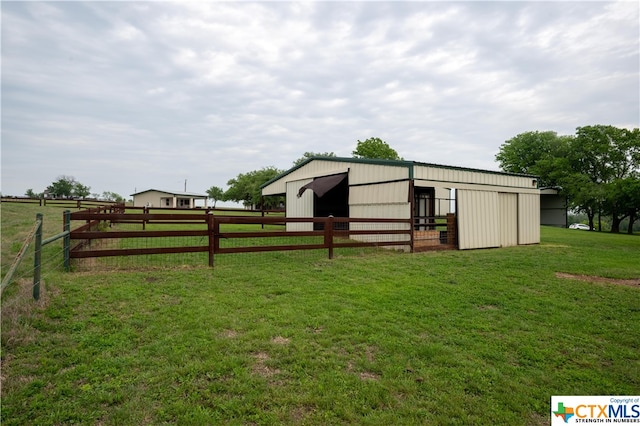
[478,224]
[508,219]
[299,207]
[528,218]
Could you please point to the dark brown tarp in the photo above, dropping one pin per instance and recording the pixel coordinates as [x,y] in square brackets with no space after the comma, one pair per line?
[323,184]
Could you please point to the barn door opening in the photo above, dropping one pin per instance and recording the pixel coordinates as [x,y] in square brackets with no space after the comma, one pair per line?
[334,202]
[424,202]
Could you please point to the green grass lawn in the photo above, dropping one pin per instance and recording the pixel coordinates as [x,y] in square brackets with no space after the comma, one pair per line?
[479,337]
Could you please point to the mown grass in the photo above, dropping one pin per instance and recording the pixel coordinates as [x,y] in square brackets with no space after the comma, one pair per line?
[462,337]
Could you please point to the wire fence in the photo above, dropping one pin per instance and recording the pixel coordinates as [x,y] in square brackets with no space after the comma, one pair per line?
[23,293]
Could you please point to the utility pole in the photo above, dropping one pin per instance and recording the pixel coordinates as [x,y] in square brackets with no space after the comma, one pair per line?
[185,185]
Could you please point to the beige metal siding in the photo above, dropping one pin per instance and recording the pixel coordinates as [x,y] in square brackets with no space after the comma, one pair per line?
[151,198]
[384,193]
[478,223]
[299,207]
[508,219]
[368,173]
[443,174]
[381,211]
[528,219]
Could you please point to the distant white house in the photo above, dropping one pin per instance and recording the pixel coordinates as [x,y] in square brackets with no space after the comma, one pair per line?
[167,199]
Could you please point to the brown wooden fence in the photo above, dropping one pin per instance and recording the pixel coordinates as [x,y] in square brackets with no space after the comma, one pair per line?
[82,203]
[335,233]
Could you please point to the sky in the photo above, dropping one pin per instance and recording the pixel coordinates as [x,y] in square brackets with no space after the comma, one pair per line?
[130,96]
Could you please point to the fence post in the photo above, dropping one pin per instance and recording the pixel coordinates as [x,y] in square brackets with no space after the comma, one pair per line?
[328,235]
[212,237]
[145,211]
[66,227]
[37,257]
[451,229]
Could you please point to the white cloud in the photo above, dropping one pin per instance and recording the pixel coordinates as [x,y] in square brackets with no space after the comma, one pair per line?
[151,93]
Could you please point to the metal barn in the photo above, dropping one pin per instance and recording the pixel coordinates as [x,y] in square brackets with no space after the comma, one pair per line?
[486,208]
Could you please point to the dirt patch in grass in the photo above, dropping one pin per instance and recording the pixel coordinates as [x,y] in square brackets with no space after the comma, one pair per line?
[260,368]
[230,334]
[279,340]
[592,279]
[488,308]
[367,375]
[300,413]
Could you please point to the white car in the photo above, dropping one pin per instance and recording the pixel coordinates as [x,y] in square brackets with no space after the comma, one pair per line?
[579,226]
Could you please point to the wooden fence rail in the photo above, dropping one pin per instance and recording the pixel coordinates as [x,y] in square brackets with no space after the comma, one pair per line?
[82,203]
[335,233]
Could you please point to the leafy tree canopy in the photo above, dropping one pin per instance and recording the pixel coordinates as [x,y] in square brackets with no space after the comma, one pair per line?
[245,188]
[535,153]
[597,169]
[308,155]
[31,194]
[216,194]
[67,187]
[375,148]
[112,196]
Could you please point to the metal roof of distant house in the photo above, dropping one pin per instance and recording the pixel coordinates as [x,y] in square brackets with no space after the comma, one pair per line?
[174,193]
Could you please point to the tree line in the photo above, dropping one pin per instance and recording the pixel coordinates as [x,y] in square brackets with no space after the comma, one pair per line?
[597,169]
[68,187]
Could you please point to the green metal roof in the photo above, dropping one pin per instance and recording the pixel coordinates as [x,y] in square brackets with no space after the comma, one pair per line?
[397,163]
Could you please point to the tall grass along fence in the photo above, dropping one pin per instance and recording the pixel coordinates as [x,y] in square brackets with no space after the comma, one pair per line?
[36,238]
[109,233]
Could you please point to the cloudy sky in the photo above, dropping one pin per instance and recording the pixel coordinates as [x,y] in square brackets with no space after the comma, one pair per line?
[127,96]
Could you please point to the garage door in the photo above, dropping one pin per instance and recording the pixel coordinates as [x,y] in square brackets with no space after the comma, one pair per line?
[508,219]
[478,219]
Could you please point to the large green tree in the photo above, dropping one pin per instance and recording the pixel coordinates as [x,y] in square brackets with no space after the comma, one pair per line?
[536,153]
[597,169]
[375,148]
[216,194]
[67,187]
[245,188]
[609,157]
